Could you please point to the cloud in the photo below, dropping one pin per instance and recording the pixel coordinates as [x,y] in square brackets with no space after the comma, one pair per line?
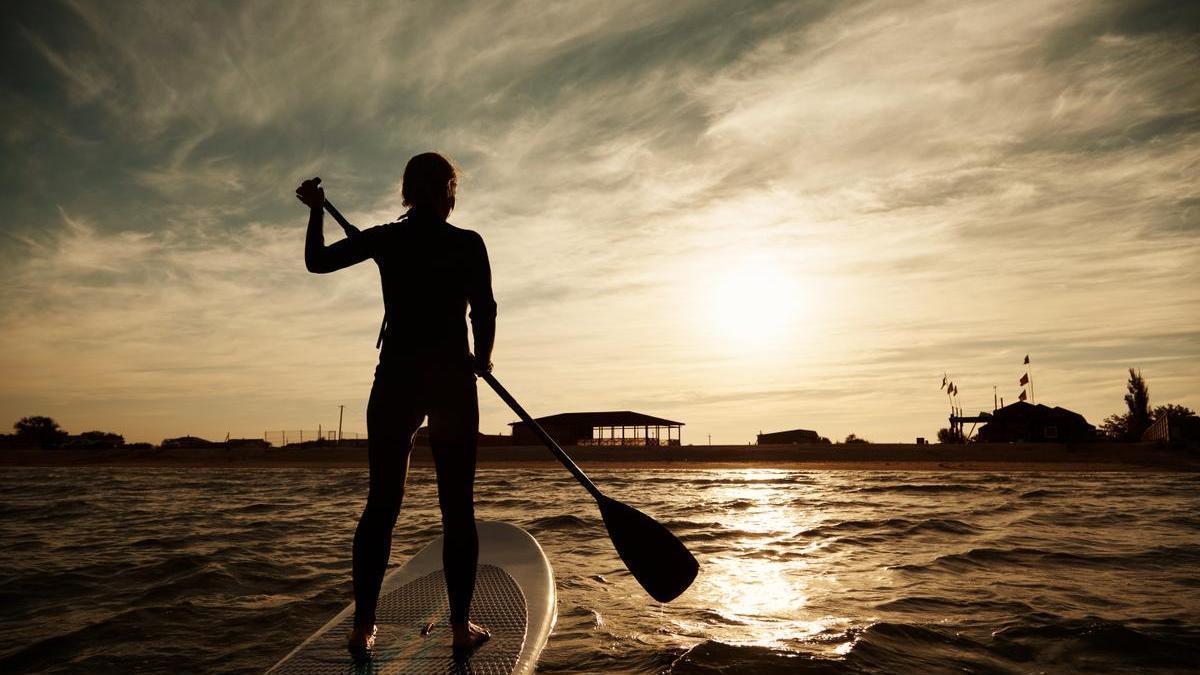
[947,186]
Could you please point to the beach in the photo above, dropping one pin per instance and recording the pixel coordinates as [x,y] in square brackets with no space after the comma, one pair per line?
[864,457]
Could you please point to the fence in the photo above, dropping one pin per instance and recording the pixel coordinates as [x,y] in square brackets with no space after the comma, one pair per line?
[635,442]
[1159,431]
[295,436]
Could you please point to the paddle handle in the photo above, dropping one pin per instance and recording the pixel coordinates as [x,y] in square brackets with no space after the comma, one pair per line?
[541,433]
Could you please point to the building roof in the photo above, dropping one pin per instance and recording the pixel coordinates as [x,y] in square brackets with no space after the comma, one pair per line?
[804,432]
[1025,409]
[612,418]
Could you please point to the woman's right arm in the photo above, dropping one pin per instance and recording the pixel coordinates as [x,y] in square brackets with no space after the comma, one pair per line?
[319,258]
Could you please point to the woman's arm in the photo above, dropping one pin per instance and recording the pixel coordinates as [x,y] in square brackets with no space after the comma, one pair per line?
[322,259]
[483,306]
[319,258]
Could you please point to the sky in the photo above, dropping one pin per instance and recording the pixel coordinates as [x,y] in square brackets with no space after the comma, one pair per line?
[745,217]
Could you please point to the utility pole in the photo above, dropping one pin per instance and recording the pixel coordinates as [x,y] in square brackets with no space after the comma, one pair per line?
[994,407]
[340,410]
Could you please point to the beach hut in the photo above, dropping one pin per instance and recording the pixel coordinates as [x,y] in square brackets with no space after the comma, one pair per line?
[792,437]
[1026,422]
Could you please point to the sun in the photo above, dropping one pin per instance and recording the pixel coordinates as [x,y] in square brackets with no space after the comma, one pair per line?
[754,304]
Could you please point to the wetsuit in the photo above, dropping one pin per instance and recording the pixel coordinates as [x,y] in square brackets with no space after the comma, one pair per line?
[431,271]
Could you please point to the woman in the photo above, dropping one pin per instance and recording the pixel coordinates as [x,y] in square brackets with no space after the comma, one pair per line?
[431,271]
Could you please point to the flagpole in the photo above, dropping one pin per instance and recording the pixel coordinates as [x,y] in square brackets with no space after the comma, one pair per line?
[1031,395]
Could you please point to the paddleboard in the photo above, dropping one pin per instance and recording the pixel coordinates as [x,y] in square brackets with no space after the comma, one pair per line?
[514,599]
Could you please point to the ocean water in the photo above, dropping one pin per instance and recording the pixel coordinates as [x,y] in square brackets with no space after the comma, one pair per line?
[121,570]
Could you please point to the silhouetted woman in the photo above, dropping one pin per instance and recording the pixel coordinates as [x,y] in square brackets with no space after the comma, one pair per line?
[431,271]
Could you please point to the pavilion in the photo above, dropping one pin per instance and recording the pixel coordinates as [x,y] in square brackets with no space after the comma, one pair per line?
[619,427]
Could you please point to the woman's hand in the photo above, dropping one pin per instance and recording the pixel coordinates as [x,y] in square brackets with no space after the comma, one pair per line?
[312,194]
[480,366]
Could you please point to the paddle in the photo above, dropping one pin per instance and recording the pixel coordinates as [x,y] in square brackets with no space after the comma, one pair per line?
[657,559]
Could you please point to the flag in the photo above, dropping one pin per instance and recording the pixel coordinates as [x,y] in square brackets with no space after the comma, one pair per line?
[955,389]
[1024,380]
[943,382]
[1022,396]
[1026,359]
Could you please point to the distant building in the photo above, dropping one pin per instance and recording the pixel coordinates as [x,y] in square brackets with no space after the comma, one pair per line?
[792,437]
[618,427]
[494,440]
[421,438]
[1026,422]
[188,442]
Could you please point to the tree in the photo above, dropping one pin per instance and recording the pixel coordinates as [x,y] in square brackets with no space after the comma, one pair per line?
[96,440]
[1138,402]
[1115,426]
[947,435]
[851,439]
[1174,411]
[1132,424]
[43,431]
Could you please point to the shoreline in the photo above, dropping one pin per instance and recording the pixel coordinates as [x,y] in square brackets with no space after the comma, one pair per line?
[1146,457]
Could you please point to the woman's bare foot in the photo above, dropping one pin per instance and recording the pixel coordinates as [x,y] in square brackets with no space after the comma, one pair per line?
[468,635]
[362,640]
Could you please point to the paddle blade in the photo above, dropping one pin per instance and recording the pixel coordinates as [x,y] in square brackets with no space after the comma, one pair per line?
[657,559]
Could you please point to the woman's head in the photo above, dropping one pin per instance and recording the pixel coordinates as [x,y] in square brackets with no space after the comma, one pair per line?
[430,182]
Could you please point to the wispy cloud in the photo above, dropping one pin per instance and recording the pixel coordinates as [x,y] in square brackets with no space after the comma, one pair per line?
[929,187]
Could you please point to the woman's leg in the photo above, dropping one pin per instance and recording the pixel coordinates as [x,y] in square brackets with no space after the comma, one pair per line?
[453,437]
[392,418]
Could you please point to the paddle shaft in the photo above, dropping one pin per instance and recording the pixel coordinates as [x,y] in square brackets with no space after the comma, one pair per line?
[541,433]
[337,215]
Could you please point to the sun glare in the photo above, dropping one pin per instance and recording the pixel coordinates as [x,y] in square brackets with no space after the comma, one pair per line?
[754,304]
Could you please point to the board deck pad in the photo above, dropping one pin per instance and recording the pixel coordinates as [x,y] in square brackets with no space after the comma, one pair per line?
[401,649]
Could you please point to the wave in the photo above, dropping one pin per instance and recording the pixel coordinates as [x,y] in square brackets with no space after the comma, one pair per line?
[562,522]
[1093,645]
[738,504]
[893,526]
[1039,493]
[1185,521]
[918,604]
[717,658]
[878,648]
[921,488]
[987,557]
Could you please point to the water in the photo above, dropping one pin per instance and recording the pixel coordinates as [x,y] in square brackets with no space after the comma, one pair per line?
[225,570]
